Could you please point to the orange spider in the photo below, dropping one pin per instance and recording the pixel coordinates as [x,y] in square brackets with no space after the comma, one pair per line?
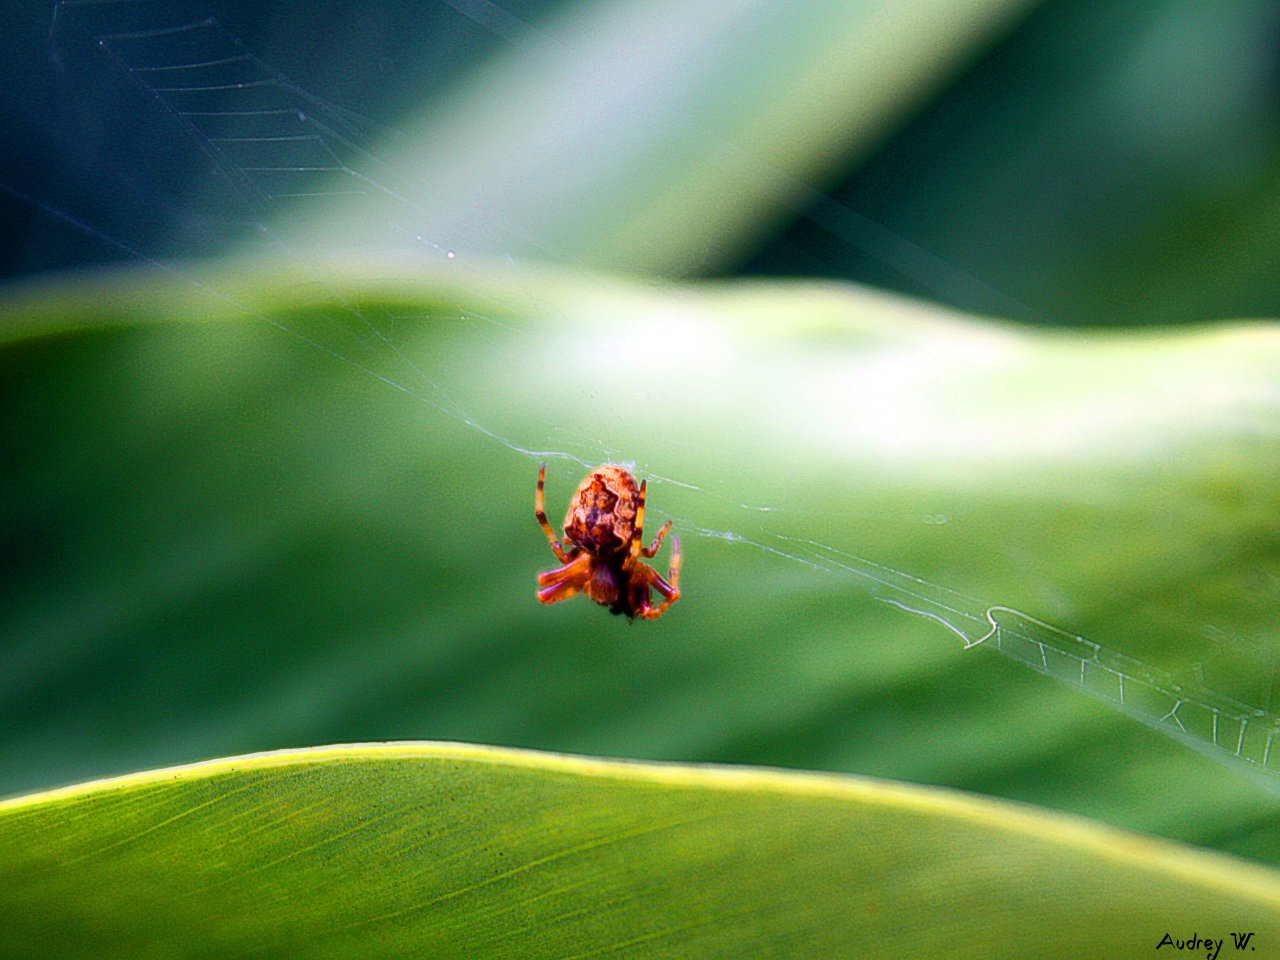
[603,530]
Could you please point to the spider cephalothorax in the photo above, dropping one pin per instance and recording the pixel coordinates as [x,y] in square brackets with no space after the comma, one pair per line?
[603,547]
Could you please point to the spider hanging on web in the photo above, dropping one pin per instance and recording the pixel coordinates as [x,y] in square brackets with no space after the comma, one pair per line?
[603,531]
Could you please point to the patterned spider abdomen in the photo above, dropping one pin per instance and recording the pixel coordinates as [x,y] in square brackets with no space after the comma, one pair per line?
[602,513]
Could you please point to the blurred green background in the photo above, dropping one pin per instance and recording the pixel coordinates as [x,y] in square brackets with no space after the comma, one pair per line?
[286,499]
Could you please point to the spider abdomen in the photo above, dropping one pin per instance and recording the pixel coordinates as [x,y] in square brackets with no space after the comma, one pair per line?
[602,513]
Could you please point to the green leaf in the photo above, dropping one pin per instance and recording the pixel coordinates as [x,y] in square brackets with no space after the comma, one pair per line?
[721,124]
[1175,232]
[270,503]
[449,850]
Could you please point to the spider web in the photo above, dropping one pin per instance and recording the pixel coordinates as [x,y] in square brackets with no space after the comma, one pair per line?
[271,143]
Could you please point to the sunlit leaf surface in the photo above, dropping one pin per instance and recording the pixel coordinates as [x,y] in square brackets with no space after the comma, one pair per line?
[457,851]
[257,506]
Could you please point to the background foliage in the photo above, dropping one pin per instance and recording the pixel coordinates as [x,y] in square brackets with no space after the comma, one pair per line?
[236,534]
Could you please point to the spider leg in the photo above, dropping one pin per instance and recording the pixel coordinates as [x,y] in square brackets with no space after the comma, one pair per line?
[562,591]
[568,571]
[563,582]
[540,511]
[636,547]
[670,591]
[652,549]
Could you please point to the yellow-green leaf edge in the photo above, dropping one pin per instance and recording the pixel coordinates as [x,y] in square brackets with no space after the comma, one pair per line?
[442,850]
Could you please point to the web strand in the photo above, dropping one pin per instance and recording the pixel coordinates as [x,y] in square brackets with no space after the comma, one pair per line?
[1184,709]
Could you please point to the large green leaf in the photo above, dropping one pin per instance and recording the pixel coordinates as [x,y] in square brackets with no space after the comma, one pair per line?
[447,850]
[284,504]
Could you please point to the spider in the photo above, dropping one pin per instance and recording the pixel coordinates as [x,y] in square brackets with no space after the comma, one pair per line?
[603,531]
